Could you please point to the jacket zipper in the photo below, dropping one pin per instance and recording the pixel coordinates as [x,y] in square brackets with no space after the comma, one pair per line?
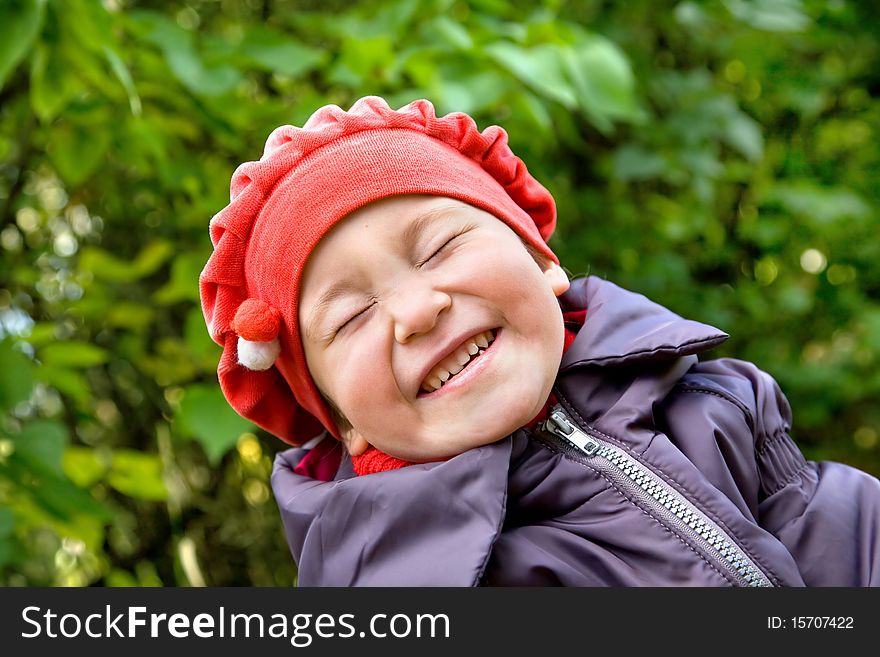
[652,493]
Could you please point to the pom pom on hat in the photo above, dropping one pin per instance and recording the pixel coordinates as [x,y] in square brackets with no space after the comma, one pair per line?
[258,356]
[256,320]
[256,324]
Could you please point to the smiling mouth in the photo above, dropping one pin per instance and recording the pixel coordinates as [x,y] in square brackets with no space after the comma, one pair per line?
[457,361]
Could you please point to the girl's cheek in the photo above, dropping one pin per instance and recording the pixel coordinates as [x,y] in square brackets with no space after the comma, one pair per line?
[477,273]
[360,367]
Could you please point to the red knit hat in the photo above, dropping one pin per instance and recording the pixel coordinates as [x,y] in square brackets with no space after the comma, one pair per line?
[307,180]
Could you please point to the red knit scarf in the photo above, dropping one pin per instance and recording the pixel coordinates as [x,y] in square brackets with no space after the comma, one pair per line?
[323,460]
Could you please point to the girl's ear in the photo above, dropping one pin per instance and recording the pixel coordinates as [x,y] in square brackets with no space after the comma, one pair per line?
[557,278]
[354,442]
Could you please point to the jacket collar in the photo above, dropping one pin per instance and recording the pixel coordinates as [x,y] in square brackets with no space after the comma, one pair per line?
[388,529]
[623,327]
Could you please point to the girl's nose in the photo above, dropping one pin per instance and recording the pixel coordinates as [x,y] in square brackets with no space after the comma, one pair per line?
[415,310]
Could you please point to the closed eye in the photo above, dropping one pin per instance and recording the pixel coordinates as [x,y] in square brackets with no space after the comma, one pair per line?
[443,246]
[355,316]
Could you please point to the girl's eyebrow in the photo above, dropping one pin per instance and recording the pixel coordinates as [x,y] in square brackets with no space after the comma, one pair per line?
[342,288]
[331,294]
[422,221]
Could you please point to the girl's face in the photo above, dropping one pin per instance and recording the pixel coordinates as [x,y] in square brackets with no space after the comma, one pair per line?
[394,302]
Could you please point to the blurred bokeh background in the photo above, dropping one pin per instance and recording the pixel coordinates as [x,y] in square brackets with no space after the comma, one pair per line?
[719,156]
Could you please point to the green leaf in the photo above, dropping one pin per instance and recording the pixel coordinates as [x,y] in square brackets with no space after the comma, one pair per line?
[634,162]
[702,162]
[464,91]
[744,134]
[41,333]
[795,299]
[121,578]
[72,353]
[540,67]
[199,341]
[534,109]
[130,315]
[770,15]
[7,551]
[56,496]
[153,256]
[690,14]
[201,80]
[451,32]
[83,465]
[53,82]
[66,381]
[122,73]
[20,22]
[206,415]
[77,152]
[184,61]
[7,523]
[40,444]
[279,53]
[603,79]
[184,282]
[823,205]
[137,475]
[89,23]
[16,376]
[365,59]
[108,267]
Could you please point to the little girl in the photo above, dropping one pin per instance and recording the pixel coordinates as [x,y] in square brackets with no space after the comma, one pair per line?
[383,290]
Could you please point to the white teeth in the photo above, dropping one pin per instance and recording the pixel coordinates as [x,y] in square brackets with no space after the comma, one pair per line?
[433,382]
[456,362]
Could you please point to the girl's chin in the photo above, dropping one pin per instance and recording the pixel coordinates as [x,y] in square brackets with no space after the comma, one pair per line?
[489,427]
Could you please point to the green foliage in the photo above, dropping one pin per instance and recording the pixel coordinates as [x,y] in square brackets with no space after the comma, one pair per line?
[19,25]
[17,382]
[718,156]
[205,414]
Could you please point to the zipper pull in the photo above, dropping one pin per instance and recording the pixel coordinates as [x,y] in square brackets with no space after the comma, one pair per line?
[559,424]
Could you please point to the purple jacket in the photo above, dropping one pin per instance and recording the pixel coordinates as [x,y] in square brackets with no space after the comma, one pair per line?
[655,470]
